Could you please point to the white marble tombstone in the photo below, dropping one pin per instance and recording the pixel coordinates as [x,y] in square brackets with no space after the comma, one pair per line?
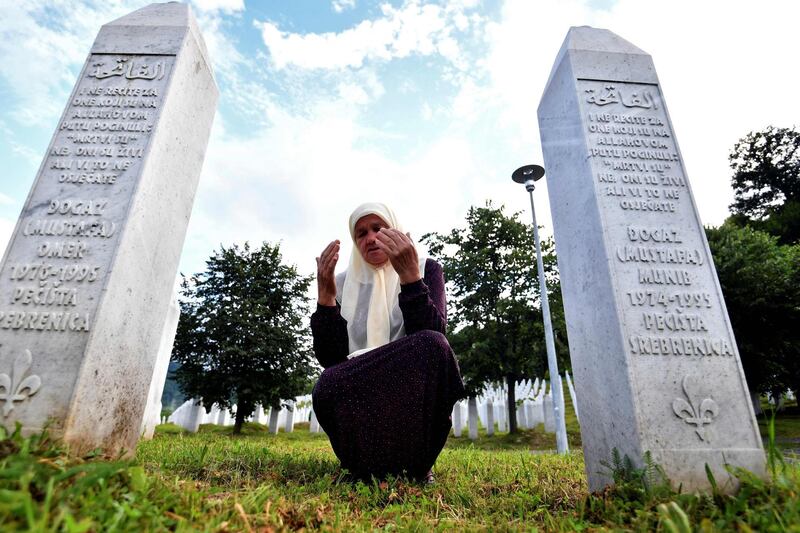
[289,424]
[313,426]
[489,417]
[259,417]
[195,417]
[222,413]
[86,280]
[522,416]
[652,349]
[502,416]
[457,420]
[179,415]
[213,416]
[153,409]
[472,418]
[480,402]
[538,410]
[540,397]
[573,397]
[549,414]
[274,413]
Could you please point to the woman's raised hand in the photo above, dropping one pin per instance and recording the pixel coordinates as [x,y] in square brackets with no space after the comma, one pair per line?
[326,280]
[401,252]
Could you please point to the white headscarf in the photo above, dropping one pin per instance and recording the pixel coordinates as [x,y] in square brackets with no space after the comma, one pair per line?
[368,295]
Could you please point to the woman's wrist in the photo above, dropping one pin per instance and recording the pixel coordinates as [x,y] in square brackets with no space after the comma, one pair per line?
[405,279]
[326,300]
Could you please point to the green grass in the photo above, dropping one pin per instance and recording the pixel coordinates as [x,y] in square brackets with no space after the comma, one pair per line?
[787,424]
[213,481]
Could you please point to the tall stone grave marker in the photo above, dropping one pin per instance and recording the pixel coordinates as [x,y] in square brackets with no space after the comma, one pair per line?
[652,348]
[87,277]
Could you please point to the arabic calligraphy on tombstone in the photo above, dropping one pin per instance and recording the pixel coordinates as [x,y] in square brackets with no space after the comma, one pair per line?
[643,186]
[68,232]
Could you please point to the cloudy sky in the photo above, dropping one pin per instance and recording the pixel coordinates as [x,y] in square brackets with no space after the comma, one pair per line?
[427,106]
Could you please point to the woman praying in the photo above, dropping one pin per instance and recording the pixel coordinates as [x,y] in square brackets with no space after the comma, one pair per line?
[390,378]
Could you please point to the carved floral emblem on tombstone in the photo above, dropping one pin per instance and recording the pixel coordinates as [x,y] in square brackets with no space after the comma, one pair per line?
[16,389]
[697,412]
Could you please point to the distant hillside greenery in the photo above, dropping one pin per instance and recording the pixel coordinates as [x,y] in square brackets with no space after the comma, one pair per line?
[172,396]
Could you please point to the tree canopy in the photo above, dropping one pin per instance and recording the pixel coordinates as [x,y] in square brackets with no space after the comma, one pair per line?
[495,323]
[766,182]
[760,280]
[242,337]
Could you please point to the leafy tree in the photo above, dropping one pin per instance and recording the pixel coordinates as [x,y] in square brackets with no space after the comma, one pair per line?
[496,330]
[760,280]
[766,182]
[241,337]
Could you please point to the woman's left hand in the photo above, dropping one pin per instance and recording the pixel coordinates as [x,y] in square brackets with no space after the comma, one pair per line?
[401,252]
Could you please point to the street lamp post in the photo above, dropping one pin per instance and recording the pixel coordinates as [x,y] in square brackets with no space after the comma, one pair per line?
[527,175]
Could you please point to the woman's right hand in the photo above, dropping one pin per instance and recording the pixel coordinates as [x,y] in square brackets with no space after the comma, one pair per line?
[326,280]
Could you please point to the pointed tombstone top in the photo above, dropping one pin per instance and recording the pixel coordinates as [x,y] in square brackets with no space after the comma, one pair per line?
[599,40]
[158,29]
[166,14]
[599,54]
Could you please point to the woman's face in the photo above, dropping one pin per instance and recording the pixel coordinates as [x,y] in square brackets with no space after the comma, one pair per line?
[365,232]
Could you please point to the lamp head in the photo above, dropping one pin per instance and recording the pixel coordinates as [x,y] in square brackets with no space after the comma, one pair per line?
[527,175]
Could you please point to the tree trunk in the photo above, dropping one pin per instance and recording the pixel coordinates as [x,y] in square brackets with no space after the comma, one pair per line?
[512,405]
[237,425]
[777,397]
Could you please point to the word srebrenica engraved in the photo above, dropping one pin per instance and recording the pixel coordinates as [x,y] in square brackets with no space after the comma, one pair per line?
[65,241]
[669,308]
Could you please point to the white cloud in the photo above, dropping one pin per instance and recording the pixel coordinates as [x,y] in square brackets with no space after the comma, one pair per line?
[228,6]
[226,58]
[325,161]
[313,148]
[6,229]
[40,59]
[341,5]
[427,112]
[297,179]
[43,45]
[720,80]
[414,28]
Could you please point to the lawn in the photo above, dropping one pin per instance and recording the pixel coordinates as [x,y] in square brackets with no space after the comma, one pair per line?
[787,429]
[213,481]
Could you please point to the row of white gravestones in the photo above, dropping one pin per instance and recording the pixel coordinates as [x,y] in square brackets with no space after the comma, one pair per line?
[535,407]
[191,414]
[487,409]
[86,279]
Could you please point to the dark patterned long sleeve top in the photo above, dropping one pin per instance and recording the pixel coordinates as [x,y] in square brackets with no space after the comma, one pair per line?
[422,303]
